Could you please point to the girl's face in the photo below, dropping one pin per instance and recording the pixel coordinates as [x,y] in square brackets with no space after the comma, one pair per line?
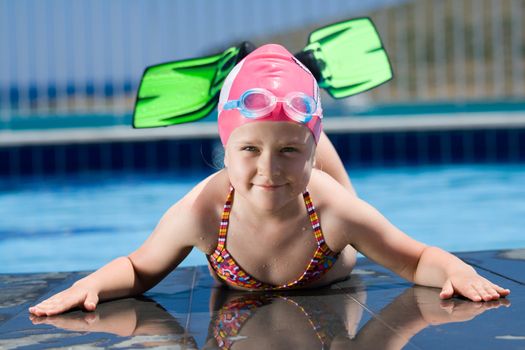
[269,163]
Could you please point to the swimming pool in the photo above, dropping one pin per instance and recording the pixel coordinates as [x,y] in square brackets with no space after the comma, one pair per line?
[82,221]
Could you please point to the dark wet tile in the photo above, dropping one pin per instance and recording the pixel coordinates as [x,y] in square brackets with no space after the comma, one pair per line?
[311,319]
[126,323]
[180,280]
[468,325]
[185,294]
[20,291]
[372,309]
[415,316]
[371,276]
[507,263]
[186,290]
[385,285]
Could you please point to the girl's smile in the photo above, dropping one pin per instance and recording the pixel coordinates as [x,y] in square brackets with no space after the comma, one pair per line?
[269,187]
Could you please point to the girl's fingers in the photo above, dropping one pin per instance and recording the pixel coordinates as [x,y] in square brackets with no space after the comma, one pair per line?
[492,292]
[46,309]
[91,302]
[469,291]
[496,291]
[489,291]
[474,294]
[486,293]
[447,291]
[502,291]
[478,289]
[59,303]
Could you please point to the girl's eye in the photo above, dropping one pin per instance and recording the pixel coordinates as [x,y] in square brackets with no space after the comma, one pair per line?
[249,148]
[288,149]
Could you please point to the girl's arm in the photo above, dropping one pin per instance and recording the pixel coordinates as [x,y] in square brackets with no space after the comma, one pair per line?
[327,160]
[124,276]
[373,235]
[170,242]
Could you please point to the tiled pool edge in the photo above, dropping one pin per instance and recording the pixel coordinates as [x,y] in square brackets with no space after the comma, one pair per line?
[375,141]
[188,302]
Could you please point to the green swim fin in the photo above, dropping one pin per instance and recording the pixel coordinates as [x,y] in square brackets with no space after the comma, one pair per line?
[184,91]
[347,57]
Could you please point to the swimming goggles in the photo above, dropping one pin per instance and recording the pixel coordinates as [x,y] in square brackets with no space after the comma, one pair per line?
[257,103]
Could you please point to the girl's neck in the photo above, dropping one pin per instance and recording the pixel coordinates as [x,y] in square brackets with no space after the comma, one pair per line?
[256,215]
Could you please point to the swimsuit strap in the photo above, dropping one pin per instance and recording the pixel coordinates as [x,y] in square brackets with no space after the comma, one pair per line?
[225,220]
[314,219]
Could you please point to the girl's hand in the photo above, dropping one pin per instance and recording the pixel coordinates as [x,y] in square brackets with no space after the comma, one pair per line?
[75,296]
[473,287]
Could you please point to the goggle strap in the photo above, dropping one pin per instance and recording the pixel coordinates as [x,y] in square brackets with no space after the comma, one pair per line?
[233,104]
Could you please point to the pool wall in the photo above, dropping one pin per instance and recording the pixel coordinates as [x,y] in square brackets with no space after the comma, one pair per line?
[197,153]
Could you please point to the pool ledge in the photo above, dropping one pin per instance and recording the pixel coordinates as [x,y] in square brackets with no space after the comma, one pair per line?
[372,309]
[335,125]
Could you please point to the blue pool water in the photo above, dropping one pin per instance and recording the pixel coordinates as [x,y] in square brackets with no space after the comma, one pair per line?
[82,222]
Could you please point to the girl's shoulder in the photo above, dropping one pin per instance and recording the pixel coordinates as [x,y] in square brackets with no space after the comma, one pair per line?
[326,191]
[207,198]
[331,197]
[333,203]
[200,210]
[213,188]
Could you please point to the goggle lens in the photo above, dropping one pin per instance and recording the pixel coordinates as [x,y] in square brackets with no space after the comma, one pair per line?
[302,103]
[256,101]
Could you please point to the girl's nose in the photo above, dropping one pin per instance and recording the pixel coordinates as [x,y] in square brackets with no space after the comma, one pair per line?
[268,165]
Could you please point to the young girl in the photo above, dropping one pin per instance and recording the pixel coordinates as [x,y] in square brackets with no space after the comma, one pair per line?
[256,220]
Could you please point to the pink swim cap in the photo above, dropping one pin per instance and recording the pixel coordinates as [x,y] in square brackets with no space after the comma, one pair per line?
[273,68]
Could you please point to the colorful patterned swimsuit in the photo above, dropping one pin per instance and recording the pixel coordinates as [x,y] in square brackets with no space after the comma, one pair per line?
[228,270]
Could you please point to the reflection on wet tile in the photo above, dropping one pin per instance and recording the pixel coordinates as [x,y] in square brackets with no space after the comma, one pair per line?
[185,294]
[372,309]
[476,325]
[516,254]
[418,313]
[18,291]
[30,338]
[179,280]
[274,320]
[328,318]
[373,276]
[122,323]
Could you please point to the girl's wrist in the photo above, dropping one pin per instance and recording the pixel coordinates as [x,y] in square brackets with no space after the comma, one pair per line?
[460,269]
[87,285]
